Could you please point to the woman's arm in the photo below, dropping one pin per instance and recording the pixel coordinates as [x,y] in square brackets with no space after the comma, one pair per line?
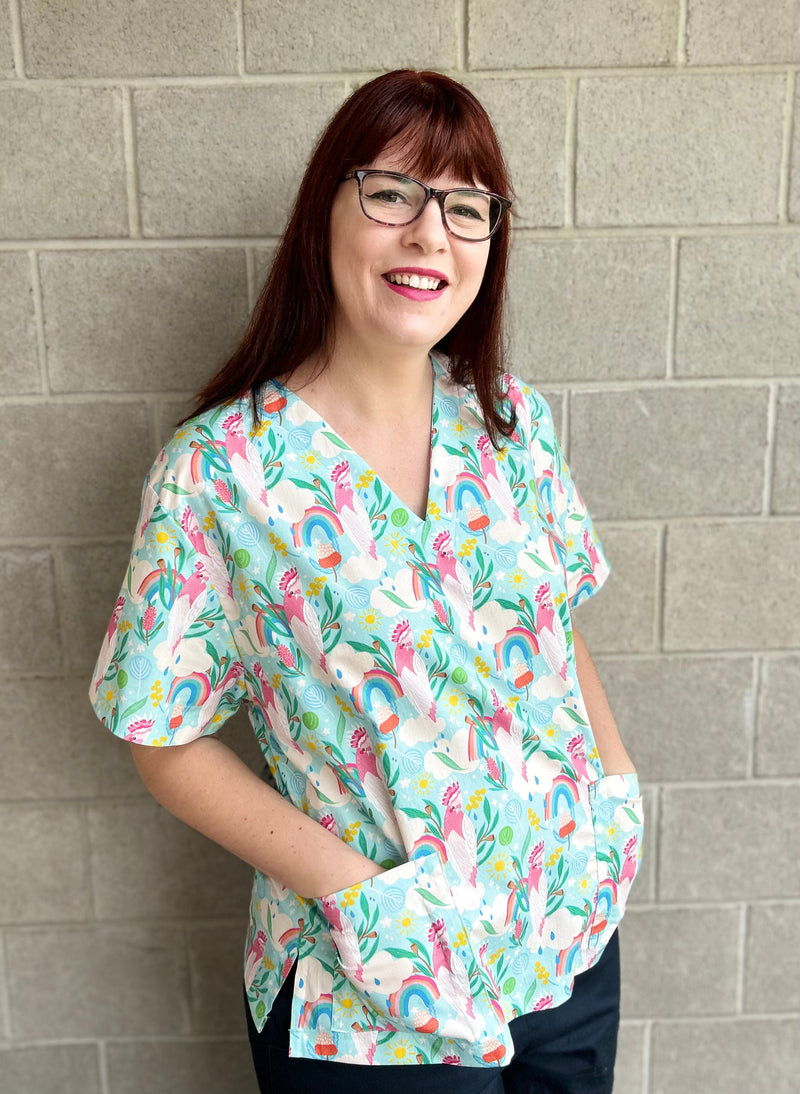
[614,758]
[207,786]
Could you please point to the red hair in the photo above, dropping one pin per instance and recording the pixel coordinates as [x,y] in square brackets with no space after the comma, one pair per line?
[440,126]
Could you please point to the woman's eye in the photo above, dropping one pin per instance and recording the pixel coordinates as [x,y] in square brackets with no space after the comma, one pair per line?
[469,212]
[388,197]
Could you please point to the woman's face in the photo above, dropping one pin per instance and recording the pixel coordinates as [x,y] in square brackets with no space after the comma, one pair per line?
[371,312]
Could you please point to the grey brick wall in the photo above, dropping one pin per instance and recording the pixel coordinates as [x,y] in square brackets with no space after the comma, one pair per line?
[149,155]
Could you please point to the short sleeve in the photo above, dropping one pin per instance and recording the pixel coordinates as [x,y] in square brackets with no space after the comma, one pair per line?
[585,563]
[168,670]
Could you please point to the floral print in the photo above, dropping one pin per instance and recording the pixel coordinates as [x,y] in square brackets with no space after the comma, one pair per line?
[412,685]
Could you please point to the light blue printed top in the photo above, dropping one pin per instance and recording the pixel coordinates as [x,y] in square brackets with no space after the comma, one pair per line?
[412,685]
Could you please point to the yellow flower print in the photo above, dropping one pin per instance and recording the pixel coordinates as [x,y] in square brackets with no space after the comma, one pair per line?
[351,831]
[210,520]
[406,922]
[343,706]
[559,599]
[466,548]
[482,668]
[434,512]
[424,783]
[259,430]
[534,820]
[460,939]
[278,544]
[425,639]
[541,972]
[159,742]
[125,625]
[276,680]
[370,618]
[475,799]
[501,455]
[349,896]
[162,538]
[363,481]
[310,459]
[156,693]
[316,586]
[556,855]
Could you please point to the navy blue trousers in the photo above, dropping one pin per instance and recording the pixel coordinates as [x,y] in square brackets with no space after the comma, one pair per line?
[568,1050]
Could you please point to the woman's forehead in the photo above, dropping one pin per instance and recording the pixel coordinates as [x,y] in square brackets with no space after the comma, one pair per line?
[403,162]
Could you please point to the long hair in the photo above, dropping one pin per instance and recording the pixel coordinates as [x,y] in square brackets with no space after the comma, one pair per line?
[442,127]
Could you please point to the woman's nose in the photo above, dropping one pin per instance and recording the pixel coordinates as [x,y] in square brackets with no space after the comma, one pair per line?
[428,230]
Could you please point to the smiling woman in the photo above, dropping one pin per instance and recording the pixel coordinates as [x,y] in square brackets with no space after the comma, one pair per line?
[367,534]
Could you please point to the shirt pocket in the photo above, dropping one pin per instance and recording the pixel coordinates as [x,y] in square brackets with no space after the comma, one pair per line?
[618,819]
[405,963]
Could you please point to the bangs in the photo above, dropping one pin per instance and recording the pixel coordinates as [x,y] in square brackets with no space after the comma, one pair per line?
[433,131]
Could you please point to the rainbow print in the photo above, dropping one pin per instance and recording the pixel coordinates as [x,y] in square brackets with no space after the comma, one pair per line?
[319,522]
[466,489]
[517,645]
[428,844]
[376,688]
[585,587]
[604,904]
[566,957]
[562,797]
[192,690]
[151,583]
[417,992]
[314,1010]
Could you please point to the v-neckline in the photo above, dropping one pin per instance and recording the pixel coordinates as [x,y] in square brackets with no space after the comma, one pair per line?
[348,450]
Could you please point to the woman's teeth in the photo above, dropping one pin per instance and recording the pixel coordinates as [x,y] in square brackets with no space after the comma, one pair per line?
[413,281]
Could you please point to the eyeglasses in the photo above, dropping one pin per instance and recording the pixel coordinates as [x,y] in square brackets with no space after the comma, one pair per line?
[393,199]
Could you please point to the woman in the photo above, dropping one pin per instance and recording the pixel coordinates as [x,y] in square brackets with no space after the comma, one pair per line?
[367,533]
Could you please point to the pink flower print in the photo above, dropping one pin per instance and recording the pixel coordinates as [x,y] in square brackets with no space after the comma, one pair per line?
[286,656]
[441,612]
[451,1059]
[329,822]
[493,769]
[223,491]
[544,1003]
[149,618]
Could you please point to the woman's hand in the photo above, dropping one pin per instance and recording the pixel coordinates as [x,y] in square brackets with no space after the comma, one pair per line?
[613,756]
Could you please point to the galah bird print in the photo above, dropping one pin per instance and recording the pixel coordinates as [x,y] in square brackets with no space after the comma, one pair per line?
[459,836]
[628,871]
[269,702]
[550,631]
[599,565]
[577,754]
[352,512]
[255,952]
[188,605]
[217,570]
[301,618]
[517,400]
[508,736]
[108,647]
[496,482]
[454,578]
[373,782]
[246,466]
[344,938]
[449,971]
[537,888]
[410,671]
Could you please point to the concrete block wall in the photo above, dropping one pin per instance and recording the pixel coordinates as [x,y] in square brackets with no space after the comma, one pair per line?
[150,152]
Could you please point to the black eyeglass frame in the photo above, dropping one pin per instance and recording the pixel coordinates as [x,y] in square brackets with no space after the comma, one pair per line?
[430,192]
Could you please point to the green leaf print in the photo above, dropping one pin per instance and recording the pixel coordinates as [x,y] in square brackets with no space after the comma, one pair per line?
[133,708]
[630,813]
[574,716]
[505,836]
[432,899]
[336,441]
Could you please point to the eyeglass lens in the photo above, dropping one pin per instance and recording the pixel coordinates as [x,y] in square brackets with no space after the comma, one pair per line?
[390,199]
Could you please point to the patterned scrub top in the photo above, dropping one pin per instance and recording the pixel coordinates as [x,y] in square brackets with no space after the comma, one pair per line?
[412,685]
